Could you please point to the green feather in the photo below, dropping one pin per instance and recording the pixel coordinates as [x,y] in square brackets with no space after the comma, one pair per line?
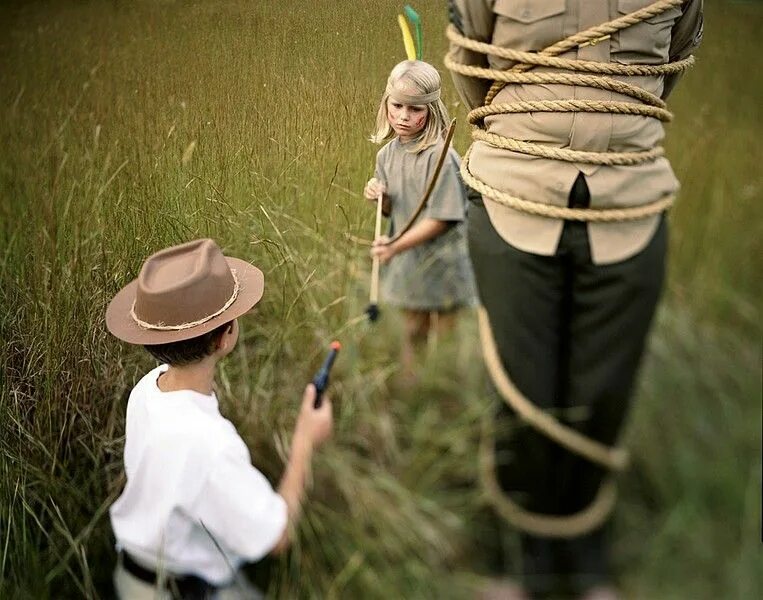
[415,20]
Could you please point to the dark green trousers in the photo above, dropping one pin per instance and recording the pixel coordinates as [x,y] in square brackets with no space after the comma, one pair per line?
[570,335]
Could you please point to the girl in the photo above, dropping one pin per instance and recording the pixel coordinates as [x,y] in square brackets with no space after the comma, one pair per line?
[428,274]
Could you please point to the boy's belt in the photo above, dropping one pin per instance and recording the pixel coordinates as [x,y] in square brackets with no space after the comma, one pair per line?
[182,587]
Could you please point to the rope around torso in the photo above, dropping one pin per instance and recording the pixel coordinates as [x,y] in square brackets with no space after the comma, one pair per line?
[578,73]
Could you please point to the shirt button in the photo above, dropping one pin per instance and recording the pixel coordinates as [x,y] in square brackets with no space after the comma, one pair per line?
[559,186]
[526,13]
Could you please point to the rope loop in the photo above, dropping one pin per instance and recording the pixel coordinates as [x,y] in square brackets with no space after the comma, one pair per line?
[597,215]
[614,459]
[555,526]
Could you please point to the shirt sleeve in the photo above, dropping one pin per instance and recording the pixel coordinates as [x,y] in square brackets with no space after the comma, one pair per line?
[379,172]
[685,39]
[448,199]
[239,507]
[474,19]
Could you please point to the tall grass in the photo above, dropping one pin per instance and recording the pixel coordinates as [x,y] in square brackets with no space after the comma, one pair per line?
[127,127]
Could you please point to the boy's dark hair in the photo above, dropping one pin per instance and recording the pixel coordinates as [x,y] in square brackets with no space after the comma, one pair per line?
[186,352]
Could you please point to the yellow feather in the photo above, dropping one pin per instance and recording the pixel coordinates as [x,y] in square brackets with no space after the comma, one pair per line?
[410,49]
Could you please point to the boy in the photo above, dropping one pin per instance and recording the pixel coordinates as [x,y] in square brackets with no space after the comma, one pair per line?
[194,508]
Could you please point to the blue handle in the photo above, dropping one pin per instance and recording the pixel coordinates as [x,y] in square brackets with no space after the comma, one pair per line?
[321,379]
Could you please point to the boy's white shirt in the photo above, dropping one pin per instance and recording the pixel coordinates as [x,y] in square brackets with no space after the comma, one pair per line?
[188,470]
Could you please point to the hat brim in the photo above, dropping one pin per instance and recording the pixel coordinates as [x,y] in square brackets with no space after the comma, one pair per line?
[122,325]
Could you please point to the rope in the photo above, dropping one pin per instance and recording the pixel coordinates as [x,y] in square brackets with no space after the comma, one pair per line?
[562,212]
[598,32]
[592,36]
[602,83]
[615,459]
[601,106]
[592,74]
[546,59]
[556,526]
[599,158]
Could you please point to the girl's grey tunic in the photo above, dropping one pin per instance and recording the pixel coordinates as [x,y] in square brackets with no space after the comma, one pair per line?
[437,274]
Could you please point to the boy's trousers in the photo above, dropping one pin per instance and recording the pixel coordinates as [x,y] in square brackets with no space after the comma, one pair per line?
[570,335]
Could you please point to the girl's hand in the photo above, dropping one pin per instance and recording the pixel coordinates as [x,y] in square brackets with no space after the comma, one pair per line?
[373,189]
[383,249]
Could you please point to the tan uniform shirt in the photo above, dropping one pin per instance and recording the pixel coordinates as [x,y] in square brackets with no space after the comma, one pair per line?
[531,25]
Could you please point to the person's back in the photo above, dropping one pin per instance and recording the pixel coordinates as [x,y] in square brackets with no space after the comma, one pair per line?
[194,463]
[568,243]
[194,508]
[590,126]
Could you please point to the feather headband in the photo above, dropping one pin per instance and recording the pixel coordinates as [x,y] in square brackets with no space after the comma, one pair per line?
[403,97]
[413,51]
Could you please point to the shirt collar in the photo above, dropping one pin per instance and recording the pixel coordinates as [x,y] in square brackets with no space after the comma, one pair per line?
[206,402]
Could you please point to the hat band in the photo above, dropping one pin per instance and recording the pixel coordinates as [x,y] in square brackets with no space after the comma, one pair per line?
[413,99]
[162,327]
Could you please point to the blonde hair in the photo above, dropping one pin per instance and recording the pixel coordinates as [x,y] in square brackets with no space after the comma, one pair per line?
[414,77]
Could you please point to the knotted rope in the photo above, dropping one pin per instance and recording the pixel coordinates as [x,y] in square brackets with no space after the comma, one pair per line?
[591,74]
[580,73]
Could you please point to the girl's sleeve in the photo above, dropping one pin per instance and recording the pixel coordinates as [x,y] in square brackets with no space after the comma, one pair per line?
[379,172]
[448,199]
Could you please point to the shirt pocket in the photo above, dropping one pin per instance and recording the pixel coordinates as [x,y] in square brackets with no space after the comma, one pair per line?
[528,24]
[647,42]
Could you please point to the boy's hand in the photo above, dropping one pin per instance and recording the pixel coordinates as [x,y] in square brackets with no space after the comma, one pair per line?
[314,425]
[383,249]
[373,188]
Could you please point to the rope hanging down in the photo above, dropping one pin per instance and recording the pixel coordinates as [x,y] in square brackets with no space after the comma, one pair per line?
[615,459]
[582,73]
[579,73]
[586,520]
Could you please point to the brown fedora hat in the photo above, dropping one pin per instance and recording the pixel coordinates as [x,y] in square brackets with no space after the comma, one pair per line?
[183,292]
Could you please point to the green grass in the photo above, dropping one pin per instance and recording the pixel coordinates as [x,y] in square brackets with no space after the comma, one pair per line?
[127,127]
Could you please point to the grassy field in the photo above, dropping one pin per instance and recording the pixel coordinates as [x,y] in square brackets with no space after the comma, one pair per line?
[130,126]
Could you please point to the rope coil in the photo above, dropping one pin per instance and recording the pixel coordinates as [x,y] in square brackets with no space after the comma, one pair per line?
[573,72]
[556,526]
[614,459]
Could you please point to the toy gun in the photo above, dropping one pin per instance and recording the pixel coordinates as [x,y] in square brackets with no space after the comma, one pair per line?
[321,379]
